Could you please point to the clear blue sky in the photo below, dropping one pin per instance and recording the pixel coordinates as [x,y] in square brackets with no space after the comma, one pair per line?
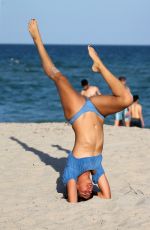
[77,21]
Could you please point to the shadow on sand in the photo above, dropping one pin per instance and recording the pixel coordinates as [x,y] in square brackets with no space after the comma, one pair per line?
[58,164]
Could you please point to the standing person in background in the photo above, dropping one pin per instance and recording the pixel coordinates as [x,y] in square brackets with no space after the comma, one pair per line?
[123,117]
[88,90]
[136,113]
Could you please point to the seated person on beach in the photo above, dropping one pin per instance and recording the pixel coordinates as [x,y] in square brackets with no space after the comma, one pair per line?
[84,164]
[136,113]
[122,118]
[89,90]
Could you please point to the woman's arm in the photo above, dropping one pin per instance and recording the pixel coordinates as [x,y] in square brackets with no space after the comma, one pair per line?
[104,187]
[72,191]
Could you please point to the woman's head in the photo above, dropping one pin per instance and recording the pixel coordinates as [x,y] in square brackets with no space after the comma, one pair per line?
[84,185]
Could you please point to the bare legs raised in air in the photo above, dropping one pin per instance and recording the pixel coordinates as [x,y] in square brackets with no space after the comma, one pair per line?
[87,124]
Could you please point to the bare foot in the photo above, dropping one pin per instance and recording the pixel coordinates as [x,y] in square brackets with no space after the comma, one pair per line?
[96,60]
[33,29]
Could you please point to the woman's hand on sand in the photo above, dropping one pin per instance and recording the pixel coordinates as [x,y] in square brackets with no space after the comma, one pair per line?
[33,29]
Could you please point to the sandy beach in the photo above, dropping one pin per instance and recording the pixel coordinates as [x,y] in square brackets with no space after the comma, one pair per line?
[33,157]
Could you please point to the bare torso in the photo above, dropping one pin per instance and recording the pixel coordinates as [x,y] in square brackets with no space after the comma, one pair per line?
[90,91]
[135,110]
[88,130]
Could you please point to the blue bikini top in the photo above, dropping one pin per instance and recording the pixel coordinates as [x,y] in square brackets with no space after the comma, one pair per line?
[87,107]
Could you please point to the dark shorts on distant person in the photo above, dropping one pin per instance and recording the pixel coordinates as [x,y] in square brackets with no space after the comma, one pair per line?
[135,122]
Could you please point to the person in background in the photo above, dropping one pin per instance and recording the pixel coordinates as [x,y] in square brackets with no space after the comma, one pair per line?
[136,113]
[88,90]
[123,117]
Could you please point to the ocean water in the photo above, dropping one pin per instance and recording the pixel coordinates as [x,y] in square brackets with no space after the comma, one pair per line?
[27,95]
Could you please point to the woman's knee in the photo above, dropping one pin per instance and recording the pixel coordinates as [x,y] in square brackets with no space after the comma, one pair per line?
[127,99]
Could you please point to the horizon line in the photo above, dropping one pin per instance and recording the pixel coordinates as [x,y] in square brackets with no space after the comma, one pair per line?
[77,44]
